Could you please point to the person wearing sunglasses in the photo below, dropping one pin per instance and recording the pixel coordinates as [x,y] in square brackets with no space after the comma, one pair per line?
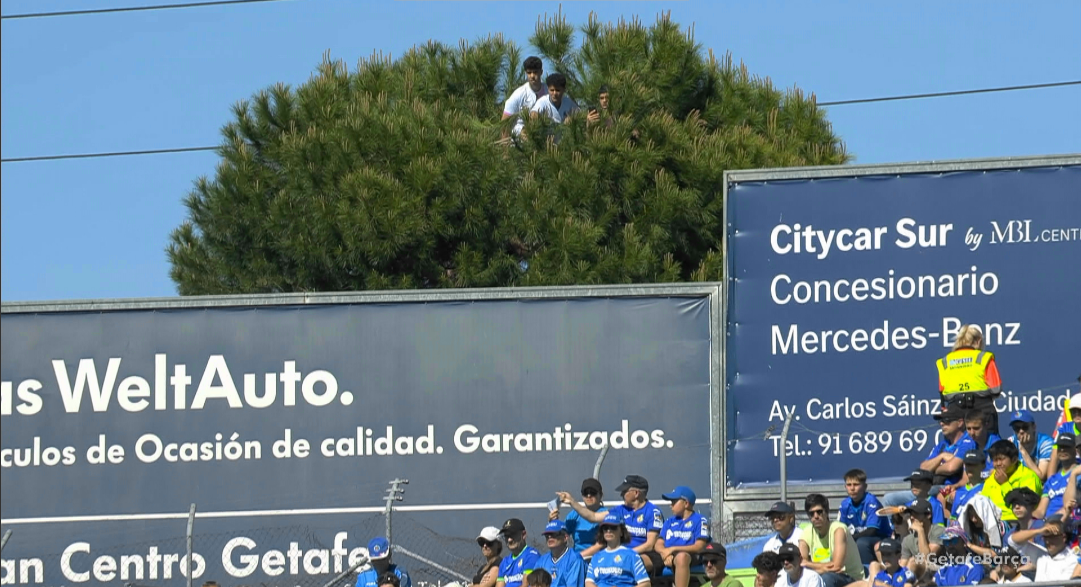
[1055,562]
[714,559]
[583,531]
[617,565]
[522,559]
[1035,447]
[782,517]
[642,517]
[828,548]
[492,549]
[1055,489]
[794,574]
[566,567]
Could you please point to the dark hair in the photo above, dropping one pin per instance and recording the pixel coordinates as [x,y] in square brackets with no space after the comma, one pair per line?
[556,80]
[856,475]
[1003,448]
[533,63]
[604,90]
[973,416]
[538,578]
[389,578]
[767,562]
[624,535]
[816,499]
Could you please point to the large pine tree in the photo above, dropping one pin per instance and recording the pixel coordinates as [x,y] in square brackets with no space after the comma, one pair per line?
[393,176]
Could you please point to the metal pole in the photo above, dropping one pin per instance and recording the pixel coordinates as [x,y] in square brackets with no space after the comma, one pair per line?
[4,540]
[191,543]
[393,495]
[360,563]
[784,456]
[600,461]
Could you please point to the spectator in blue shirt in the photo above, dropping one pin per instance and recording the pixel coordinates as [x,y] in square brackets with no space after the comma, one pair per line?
[683,536]
[522,559]
[643,519]
[566,567]
[960,569]
[944,460]
[859,511]
[921,489]
[1055,487]
[1073,422]
[1035,447]
[379,555]
[616,565]
[583,532]
[891,573]
[975,465]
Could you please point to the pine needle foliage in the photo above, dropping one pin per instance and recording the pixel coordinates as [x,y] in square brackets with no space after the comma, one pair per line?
[392,176]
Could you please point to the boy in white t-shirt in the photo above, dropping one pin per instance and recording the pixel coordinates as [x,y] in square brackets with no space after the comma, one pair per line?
[526,96]
[557,105]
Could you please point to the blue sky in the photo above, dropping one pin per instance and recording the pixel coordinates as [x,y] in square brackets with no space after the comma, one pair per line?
[98,228]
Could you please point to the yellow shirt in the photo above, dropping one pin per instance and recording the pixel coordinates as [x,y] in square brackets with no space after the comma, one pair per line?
[822,552]
[1022,476]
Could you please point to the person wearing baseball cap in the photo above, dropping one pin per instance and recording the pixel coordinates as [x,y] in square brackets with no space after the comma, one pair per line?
[379,555]
[616,565]
[566,566]
[522,558]
[643,519]
[961,570]
[714,559]
[683,536]
[793,573]
[1035,447]
[921,482]
[1054,489]
[583,531]
[492,549]
[975,466]
[782,517]
[944,460]
[890,573]
[922,531]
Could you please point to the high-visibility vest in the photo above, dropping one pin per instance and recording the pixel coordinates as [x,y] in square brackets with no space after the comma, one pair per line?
[961,371]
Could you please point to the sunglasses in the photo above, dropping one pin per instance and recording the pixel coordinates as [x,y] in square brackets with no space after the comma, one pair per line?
[590,493]
[711,562]
[609,528]
[486,544]
[1022,428]
[816,513]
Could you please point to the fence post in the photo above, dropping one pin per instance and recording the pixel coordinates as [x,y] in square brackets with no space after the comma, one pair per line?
[393,495]
[191,543]
[784,456]
[4,540]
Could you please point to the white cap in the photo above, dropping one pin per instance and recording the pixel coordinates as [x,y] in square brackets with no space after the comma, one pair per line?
[491,533]
[1075,401]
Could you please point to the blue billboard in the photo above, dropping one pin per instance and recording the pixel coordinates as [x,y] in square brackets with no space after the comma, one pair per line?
[843,291]
[270,416]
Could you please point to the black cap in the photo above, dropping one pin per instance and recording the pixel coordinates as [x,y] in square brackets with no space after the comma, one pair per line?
[788,549]
[633,482]
[1023,496]
[1066,439]
[921,507]
[512,526]
[714,550]
[591,483]
[780,507]
[921,475]
[890,545]
[975,457]
[951,412]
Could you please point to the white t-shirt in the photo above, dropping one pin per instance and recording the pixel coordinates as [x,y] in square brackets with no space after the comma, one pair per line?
[1017,579]
[1056,568]
[774,543]
[808,578]
[524,98]
[544,106]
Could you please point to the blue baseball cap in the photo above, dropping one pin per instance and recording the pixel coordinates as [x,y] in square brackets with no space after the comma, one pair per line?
[555,527]
[612,519]
[680,492]
[378,549]
[1022,416]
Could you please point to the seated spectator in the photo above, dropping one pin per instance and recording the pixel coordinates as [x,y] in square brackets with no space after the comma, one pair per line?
[1024,501]
[859,511]
[976,428]
[1008,474]
[1008,570]
[583,532]
[1035,447]
[958,567]
[389,580]
[565,566]
[379,555]
[522,558]
[492,549]
[1055,488]
[714,559]
[767,565]
[984,530]
[890,573]
[557,105]
[783,519]
[828,548]
[1055,562]
[539,578]
[526,96]
[642,517]
[683,536]
[1071,418]
[794,574]
[921,546]
[616,565]
[974,461]
[944,460]
[921,482]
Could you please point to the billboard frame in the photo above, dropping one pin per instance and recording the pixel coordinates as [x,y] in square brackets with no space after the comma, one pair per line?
[757,499]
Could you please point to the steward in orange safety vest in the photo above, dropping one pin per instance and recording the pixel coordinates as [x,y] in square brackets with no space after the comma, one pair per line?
[968,376]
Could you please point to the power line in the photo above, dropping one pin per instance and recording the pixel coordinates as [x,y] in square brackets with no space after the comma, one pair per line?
[836,103]
[132,9]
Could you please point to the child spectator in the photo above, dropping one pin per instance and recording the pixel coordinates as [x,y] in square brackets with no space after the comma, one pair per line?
[985,533]
[1008,570]
[683,536]
[1035,447]
[921,482]
[783,519]
[767,565]
[1008,474]
[827,547]
[890,573]
[974,469]
[859,511]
